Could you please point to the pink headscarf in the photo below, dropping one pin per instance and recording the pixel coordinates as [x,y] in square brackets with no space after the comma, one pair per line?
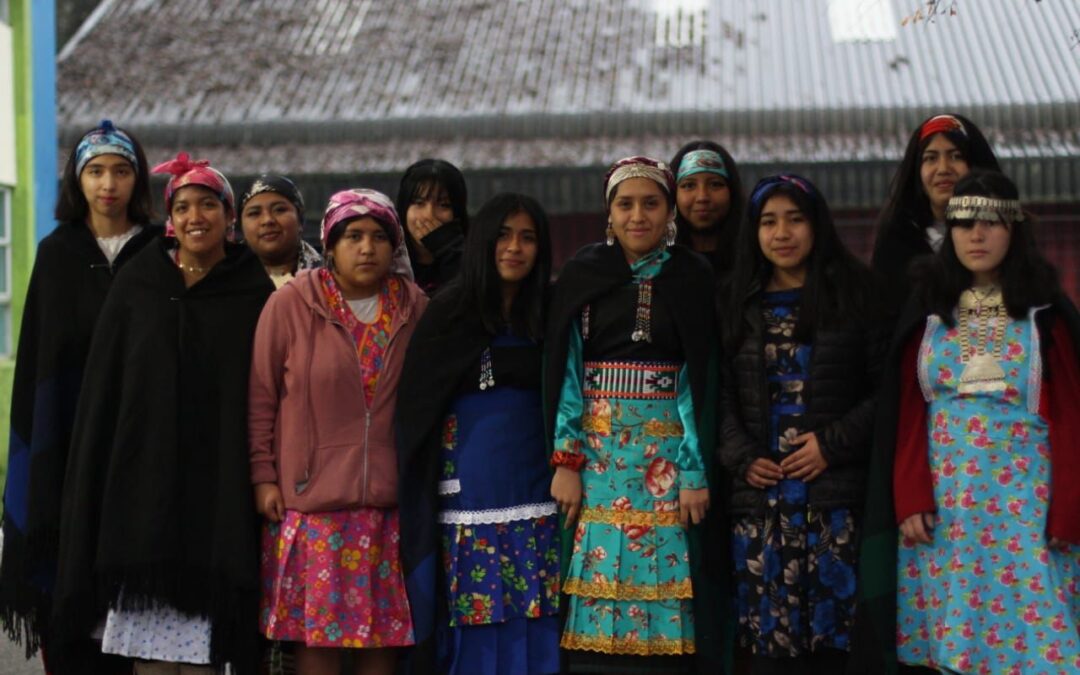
[186,171]
[360,202]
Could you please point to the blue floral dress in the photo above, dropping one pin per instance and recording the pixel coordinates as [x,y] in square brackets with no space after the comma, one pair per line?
[499,525]
[988,595]
[794,565]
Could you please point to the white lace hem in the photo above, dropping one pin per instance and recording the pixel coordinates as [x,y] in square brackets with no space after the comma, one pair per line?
[493,516]
[449,487]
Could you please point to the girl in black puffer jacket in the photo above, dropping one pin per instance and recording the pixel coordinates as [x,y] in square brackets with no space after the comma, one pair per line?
[803,349]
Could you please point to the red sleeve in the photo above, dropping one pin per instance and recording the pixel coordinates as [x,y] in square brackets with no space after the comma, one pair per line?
[913,488]
[1058,404]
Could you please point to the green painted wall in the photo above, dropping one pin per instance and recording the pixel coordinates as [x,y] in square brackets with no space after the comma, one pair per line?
[23,240]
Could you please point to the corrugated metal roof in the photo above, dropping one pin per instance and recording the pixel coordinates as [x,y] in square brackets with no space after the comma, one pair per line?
[538,94]
[533,67]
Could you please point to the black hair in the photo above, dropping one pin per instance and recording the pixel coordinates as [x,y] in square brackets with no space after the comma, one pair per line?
[728,228]
[1027,279]
[838,288]
[71,204]
[908,201]
[419,180]
[478,285]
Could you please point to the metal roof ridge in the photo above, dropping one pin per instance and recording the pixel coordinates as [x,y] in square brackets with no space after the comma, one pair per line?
[87,26]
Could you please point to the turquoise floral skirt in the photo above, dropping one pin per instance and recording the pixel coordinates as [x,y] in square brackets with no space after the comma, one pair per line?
[629,577]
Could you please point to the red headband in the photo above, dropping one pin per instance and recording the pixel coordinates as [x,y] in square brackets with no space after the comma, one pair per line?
[941,124]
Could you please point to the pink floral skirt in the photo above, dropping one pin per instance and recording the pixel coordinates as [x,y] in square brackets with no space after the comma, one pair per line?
[334,580]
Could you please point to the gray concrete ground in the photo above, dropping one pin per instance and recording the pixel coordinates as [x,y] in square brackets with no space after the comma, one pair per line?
[13,660]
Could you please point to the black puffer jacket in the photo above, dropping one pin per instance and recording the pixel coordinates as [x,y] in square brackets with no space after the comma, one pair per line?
[845,365]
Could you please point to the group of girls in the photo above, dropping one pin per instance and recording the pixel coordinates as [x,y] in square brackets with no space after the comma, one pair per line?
[716,433]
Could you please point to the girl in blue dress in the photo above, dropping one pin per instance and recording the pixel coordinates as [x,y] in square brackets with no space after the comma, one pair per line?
[479,529]
[802,354]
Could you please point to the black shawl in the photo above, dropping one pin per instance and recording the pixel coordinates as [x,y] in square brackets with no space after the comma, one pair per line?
[157,497]
[685,286]
[68,284]
[446,345]
[895,249]
[873,648]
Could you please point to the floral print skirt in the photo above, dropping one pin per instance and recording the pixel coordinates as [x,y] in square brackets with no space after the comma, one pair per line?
[795,578]
[503,597]
[334,580]
[629,583]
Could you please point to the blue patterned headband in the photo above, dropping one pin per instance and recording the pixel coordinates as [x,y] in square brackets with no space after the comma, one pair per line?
[766,186]
[701,161]
[104,140]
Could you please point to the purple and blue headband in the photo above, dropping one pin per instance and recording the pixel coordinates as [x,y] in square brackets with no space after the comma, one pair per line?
[768,185]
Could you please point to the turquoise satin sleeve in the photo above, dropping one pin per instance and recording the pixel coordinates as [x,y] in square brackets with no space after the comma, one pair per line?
[568,434]
[688,458]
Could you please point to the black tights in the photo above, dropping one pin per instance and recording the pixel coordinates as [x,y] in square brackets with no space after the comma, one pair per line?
[821,662]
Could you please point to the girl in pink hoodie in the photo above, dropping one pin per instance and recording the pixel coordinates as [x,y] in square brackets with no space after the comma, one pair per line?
[327,358]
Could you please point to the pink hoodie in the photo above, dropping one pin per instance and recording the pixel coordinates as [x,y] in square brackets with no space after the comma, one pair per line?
[309,428]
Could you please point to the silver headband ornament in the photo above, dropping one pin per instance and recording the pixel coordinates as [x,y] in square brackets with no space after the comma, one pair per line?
[971,207]
[653,173]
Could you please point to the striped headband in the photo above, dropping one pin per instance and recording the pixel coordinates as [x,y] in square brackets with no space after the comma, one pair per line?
[638,167]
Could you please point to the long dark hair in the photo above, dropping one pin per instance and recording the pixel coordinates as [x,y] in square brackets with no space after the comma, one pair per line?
[728,228]
[838,286]
[478,286]
[1027,278]
[72,207]
[423,178]
[908,202]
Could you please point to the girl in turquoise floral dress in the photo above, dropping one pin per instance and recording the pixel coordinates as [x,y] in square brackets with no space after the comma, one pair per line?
[629,345]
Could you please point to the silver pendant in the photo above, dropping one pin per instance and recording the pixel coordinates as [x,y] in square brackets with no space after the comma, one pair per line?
[982,374]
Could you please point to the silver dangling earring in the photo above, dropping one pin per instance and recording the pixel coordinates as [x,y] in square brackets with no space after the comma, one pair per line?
[610,234]
[669,239]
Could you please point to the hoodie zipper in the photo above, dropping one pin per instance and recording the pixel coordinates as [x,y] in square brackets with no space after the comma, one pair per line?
[374,397]
[367,428]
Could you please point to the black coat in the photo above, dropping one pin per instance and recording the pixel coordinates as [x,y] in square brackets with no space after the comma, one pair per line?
[68,285]
[845,365]
[157,497]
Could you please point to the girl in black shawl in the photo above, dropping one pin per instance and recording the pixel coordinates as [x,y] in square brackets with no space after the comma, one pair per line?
[941,151]
[472,458]
[104,219]
[157,527]
[432,203]
[709,202]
